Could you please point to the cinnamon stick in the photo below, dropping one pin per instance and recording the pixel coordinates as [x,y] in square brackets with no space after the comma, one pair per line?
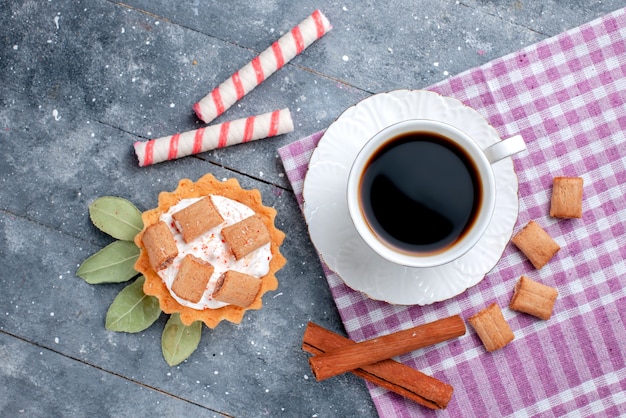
[371,351]
[396,377]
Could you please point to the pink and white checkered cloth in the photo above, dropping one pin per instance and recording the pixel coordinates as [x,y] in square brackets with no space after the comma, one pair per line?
[567,97]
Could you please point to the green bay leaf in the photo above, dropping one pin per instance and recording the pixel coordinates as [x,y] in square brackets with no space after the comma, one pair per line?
[116,216]
[132,310]
[115,263]
[178,340]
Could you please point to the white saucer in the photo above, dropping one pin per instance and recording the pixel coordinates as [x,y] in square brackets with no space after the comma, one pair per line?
[332,231]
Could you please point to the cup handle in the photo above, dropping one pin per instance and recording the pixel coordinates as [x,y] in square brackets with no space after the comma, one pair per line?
[505,148]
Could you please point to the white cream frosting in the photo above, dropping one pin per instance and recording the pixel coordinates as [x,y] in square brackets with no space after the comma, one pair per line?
[210,247]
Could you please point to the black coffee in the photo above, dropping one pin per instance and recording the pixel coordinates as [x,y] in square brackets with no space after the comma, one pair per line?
[420,192]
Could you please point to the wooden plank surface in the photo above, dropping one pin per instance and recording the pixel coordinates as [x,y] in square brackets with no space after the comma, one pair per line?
[83,80]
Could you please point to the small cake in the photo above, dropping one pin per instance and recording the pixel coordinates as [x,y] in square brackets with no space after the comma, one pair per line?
[536,244]
[246,236]
[533,298]
[192,278]
[160,245]
[491,327]
[567,197]
[197,218]
[236,288]
[209,251]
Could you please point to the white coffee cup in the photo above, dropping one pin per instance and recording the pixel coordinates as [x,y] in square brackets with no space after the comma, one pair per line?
[411,238]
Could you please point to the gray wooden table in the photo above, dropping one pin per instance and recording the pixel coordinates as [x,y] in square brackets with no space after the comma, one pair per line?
[83,80]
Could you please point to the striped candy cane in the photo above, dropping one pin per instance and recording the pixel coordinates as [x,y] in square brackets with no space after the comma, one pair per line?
[215,136]
[265,64]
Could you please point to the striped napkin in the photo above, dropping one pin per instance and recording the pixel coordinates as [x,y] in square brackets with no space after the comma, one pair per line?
[567,97]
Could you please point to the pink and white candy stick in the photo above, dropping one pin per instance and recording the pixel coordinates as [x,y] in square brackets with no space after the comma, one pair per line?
[215,136]
[265,64]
